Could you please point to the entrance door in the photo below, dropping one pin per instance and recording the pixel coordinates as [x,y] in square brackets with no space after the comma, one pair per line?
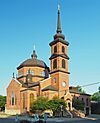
[87,110]
[69,107]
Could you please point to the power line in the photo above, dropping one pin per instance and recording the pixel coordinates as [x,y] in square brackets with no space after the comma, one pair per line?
[90,84]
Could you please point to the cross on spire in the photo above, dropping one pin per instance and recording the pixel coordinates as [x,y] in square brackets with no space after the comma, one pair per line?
[34,56]
[58,23]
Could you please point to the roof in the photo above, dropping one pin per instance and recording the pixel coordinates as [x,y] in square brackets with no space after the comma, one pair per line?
[28,89]
[61,55]
[17,80]
[32,84]
[45,79]
[50,87]
[59,40]
[33,62]
[80,93]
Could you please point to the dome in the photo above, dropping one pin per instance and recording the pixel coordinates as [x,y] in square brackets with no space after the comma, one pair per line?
[33,62]
[59,35]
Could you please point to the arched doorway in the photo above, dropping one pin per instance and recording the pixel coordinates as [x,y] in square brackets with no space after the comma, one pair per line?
[69,104]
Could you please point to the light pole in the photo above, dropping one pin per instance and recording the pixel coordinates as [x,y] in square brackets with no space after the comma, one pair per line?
[61,110]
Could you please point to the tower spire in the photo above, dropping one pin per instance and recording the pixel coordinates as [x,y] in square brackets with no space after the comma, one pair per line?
[58,23]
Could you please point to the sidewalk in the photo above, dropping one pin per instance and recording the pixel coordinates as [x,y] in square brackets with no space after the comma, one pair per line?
[65,119]
[93,116]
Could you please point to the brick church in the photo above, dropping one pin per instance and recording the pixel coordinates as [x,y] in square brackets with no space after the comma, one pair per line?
[35,78]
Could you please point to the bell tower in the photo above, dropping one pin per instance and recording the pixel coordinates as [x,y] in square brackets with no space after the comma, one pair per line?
[59,61]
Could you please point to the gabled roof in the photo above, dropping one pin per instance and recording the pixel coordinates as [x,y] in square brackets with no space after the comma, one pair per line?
[32,89]
[16,81]
[45,79]
[32,84]
[50,87]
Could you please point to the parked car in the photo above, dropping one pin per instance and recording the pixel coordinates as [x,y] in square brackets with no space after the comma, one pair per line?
[48,112]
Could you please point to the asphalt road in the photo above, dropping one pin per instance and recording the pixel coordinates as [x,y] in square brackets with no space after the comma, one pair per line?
[82,121]
[8,120]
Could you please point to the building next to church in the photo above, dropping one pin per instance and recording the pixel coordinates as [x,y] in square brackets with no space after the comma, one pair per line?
[35,78]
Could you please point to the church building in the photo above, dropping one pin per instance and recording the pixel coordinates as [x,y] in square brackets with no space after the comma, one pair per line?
[36,79]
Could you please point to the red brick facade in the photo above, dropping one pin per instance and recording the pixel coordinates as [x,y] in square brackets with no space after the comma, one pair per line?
[33,77]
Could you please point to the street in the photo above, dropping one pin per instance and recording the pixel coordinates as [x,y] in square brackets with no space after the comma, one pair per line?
[12,120]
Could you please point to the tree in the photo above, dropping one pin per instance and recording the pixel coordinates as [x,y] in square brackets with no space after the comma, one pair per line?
[95,96]
[40,104]
[81,90]
[55,104]
[2,102]
[78,104]
[99,89]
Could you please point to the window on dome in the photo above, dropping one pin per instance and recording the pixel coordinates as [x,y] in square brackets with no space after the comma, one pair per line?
[63,49]
[20,74]
[55,49]
[32,72]
[27,72]
[43,73]
[12,99]
[63,63]
[55,64]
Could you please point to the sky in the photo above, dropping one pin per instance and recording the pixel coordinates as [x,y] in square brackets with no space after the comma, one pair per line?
[25,23]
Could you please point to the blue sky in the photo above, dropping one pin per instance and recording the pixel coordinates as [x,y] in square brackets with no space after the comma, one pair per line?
[25,23]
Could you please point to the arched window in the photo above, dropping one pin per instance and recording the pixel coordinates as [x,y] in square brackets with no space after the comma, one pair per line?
[20,74]
[87,103]
[12,99]
[55,49]
[31,99]
[47,94]
[43,73]
[27,72]
[63,49]
[55,64]
[63,63]
[23,100]
[32,72]
[54,79]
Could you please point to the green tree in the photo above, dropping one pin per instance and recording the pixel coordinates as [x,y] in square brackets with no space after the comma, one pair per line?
[99,89]
[95,96]
[55,104]
[40,104]
[81,90]
[2,102]
[78,104]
